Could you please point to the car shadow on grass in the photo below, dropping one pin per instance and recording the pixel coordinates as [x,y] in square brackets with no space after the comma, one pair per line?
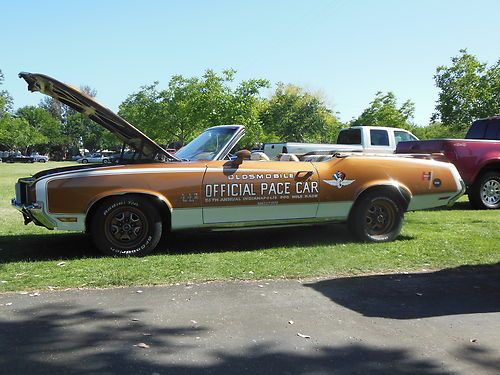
[452,291]
[69,246]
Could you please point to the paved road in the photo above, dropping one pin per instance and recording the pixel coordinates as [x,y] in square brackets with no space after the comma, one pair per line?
[444,322]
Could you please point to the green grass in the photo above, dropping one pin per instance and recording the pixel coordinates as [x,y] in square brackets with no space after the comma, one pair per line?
[433,239]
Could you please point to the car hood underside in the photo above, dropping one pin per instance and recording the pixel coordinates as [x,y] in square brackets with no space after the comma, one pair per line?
[86,105]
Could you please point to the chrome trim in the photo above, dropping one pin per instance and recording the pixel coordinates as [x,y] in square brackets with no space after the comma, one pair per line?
[239,133]
[452,201]
[34,212]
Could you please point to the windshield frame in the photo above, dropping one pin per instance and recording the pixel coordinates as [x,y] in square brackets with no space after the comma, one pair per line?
[238,133]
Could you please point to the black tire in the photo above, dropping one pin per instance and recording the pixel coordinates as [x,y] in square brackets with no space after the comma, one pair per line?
[126,226]
[105,161]
[84,161]
[484,194]
[377,217]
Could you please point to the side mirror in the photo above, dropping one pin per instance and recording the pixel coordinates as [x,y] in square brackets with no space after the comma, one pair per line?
[240,156]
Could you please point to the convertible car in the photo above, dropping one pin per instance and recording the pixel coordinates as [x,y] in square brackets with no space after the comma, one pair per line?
[128,206]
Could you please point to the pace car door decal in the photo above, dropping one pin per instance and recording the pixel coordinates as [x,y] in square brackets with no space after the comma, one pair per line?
[259,190]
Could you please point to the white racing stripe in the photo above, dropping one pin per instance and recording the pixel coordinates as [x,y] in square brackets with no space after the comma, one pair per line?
[107,172]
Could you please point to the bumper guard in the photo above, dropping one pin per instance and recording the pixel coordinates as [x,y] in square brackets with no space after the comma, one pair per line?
[33,213]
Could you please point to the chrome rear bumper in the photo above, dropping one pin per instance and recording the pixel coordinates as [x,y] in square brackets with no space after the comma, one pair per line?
[458,195]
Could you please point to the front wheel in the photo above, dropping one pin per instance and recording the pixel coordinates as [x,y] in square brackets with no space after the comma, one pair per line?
[485,192]
[376,217]
[84,161]
[126,226]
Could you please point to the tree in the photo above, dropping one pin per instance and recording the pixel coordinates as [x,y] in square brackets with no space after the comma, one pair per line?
[189,105]
[54,107]
[45,124]
[384,111]
[78,129]
[469,90]
[294,115]
[434,130]
[16,133]
[5,98]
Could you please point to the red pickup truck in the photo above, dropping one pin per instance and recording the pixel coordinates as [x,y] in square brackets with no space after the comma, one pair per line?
[477,158]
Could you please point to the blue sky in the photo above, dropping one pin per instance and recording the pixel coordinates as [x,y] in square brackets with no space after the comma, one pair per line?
[346,50]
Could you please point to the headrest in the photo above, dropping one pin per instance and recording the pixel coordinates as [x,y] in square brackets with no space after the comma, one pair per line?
[288,157]
[259,156]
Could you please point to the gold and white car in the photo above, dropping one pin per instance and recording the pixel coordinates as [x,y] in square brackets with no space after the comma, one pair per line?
[128,206]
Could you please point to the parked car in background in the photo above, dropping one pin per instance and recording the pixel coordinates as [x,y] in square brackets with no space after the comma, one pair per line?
[367,139]
[18,158]
[477,158]
[39,158]
[77,157]
[94,158]
[127,156]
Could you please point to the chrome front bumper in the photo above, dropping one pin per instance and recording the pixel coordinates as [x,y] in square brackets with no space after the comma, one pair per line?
[33,213]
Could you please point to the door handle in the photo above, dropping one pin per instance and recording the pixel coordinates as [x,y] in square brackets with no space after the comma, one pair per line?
[303,175]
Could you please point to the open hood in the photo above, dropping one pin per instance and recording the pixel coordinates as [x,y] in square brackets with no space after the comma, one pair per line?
[86,105]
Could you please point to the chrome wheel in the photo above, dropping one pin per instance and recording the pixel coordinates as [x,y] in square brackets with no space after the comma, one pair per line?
[490,192]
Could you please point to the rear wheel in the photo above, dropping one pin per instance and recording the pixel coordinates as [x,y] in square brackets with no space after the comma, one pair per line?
[376,217]
[126,226]
[485,192]
[84,161]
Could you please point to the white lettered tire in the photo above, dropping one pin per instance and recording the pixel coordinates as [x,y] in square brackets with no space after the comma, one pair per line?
[127,225]
[377,217]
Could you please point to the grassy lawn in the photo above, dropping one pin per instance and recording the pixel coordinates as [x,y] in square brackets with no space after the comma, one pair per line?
[29,255]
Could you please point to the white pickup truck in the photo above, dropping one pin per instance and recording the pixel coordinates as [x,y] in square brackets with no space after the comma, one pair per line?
[368,139]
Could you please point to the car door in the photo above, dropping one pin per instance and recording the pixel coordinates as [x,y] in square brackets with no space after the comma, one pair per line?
[259,191]
[96,158]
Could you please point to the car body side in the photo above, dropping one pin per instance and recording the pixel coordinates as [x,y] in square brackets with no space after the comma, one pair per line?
[192,193]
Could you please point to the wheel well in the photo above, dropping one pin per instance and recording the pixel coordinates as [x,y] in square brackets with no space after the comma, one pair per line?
[493,167]
[402,195]
[160,205]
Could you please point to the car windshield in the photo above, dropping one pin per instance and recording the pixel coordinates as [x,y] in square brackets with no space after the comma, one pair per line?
[207,145]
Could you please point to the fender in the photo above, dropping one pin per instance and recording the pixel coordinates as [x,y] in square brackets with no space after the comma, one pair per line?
[98,198]
[397,186]
[492,163]
[115,192]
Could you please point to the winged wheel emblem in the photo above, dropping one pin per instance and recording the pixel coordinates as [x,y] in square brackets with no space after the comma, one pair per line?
[339,180]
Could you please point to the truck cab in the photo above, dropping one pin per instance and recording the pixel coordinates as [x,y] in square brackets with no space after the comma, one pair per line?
[374,139]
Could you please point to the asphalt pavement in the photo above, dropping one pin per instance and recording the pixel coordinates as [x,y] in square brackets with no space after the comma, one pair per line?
[444,322]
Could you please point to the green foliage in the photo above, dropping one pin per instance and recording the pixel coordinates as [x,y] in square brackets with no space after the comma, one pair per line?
[384,111]
[82,131]
[294,115]
[469,90]
[43,123]
[5,98]
[436,130]
[189,105]
[16,133]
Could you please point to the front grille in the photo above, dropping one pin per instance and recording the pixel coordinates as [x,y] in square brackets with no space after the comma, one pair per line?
[22,192]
